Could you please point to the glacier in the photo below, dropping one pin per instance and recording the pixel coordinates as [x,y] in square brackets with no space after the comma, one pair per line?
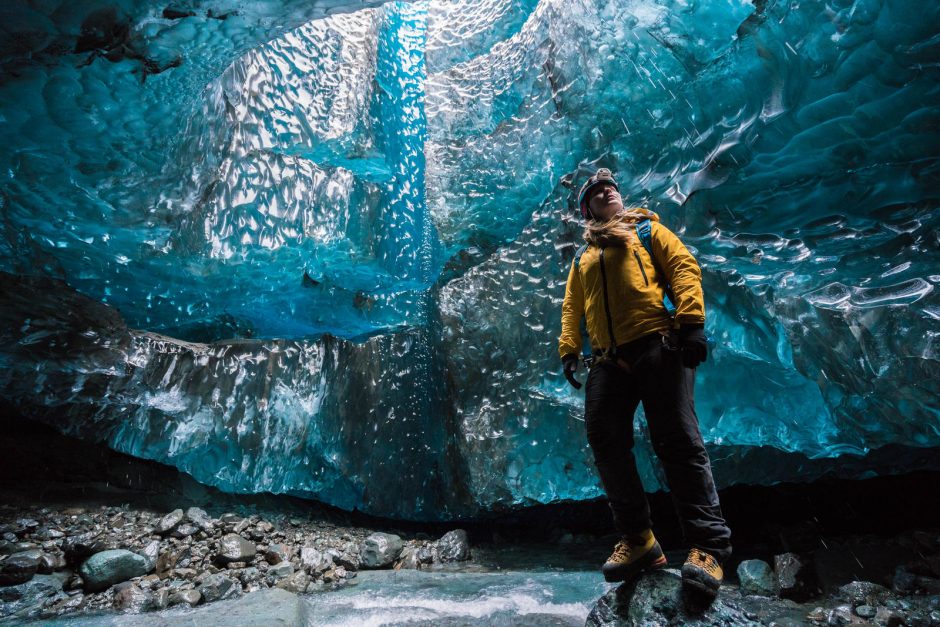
[319,248]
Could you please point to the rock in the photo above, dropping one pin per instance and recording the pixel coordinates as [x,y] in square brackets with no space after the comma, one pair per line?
[80,547]
[184,529]
[796,579]
[277,553]
[348,560]
[904,582]
[16,598]
[107,568]
[863,593]
[217,587]
[656,598]
[169,522]
[19,567]
[161,599]
[756,577]
[380,550]
[279,571]
[454,546]
[841,615]
[49,563]
[865,611]
[408,558]
[295,583]
[199,518]
[152,553]
[234,548]
[189,597]
[315,561]
[264,527]
[129,597]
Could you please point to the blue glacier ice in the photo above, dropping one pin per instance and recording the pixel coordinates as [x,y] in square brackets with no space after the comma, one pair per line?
[319,247]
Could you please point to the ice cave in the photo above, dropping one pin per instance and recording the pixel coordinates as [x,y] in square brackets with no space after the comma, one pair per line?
[319,248]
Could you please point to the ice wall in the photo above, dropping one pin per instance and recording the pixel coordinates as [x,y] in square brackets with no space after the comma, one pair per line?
[378,207]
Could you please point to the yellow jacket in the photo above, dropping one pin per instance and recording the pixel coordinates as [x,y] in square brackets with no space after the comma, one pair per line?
[633,292]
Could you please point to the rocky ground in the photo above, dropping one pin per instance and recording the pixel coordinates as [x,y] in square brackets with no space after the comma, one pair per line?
[790,592]
[55,562]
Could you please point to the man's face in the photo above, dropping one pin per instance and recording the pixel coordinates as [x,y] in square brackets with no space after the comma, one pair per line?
[604,201]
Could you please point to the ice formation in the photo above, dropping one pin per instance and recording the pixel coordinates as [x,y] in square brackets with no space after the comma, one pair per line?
[319,247]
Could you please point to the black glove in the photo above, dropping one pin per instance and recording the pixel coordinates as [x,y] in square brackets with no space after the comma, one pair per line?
[693,344]
[570,363]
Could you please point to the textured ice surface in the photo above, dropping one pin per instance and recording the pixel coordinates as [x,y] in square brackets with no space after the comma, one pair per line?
[325,245]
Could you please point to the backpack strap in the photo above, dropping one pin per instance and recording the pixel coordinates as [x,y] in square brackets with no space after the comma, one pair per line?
[644,230]
[577,256]
[585,339]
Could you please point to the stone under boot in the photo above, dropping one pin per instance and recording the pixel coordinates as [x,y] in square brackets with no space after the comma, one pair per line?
[632,555]
[702,572]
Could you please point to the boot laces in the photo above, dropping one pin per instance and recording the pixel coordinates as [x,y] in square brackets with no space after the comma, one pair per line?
[622,551]
[705,561]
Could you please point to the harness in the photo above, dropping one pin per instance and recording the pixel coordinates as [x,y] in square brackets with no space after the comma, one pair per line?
[644,231]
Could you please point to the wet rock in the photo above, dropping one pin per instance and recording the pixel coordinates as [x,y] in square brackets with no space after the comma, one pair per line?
[865,611]
[217,587]
[102,570]
[49,563]
[656,598]
[80,547]
[199,518]
[295,583]
[189,597]
[756,577]
[347,559]
[152,553]
[161,599]
[279,571]
[795,577]
[314,560]
[129,597]
[408,558]
[841,615]
[380,550]
[19,567]
[169,522]
[864,593]
[20,597]
[454,546]
[184,529]
[277,553]
[234,548]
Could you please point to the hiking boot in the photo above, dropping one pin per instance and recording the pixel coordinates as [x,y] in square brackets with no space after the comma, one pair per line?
[702,573]
[632,555]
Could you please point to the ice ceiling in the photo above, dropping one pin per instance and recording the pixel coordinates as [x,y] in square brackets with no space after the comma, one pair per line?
[320,248]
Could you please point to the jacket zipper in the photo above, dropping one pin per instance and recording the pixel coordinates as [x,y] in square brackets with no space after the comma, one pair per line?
[640,263]
[610,323]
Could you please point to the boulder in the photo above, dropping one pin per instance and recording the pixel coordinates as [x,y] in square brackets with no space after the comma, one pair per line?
[199,518]
[104,569]
[19,567]
[169,522]
[380,550]
[131,598]
[295,583]
[217,587]
[234,548]
[756,577]
[864,593]
[657,598]
[315,561]
[454,546]
[796,578]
